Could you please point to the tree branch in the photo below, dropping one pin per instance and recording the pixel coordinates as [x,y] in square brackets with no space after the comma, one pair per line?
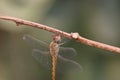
[74,36]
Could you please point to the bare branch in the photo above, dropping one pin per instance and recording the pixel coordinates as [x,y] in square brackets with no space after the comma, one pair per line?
[74,36]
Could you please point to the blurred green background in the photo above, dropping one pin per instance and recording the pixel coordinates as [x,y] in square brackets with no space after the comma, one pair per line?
[94,19]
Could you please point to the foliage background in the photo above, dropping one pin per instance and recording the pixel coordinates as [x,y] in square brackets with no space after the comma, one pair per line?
[94,19]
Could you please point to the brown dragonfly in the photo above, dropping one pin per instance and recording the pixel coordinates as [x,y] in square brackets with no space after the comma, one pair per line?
[53,57]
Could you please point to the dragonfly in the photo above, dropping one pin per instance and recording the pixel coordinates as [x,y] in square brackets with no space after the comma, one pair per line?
[53,56]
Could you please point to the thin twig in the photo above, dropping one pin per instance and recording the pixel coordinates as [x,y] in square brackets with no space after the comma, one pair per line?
[74,36]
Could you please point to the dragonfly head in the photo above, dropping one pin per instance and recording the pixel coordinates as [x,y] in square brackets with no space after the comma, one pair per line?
[57,38]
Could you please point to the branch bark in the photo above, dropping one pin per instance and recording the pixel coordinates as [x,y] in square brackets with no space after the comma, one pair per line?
[74,36]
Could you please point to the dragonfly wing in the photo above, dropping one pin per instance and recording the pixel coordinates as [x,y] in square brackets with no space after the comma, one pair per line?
[64,64]
[42,57]
[67,52]
[35,43]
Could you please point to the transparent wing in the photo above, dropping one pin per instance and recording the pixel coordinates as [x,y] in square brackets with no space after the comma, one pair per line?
[43,58]
[35,43]
[63,64]
[67,52]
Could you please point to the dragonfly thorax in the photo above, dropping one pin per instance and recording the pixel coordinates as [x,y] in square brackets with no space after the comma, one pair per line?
[54,49]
